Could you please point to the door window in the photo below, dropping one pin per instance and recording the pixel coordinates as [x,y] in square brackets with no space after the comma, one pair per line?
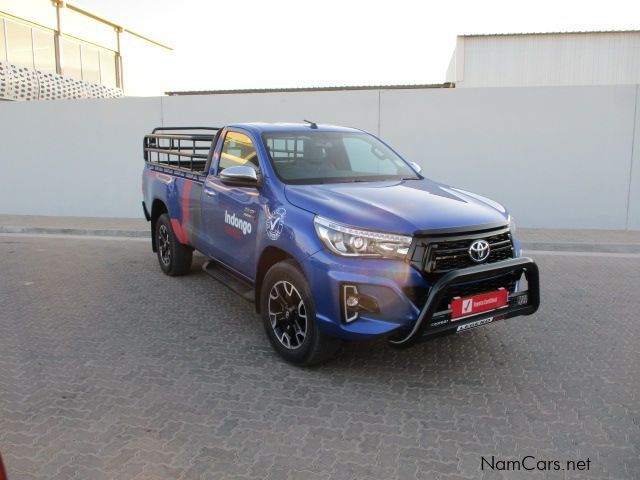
[238,149]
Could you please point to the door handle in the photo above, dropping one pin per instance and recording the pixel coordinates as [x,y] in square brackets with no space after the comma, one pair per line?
[211,193]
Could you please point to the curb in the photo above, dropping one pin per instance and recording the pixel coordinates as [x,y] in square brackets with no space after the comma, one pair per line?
[85,232]
[531,246]
[582,247]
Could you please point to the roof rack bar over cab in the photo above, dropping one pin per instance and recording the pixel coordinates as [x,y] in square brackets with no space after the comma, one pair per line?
[162,129]
[180,147]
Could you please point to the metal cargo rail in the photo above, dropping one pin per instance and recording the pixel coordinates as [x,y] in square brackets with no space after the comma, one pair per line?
[180,147]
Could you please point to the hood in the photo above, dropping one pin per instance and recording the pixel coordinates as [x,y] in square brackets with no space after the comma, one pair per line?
[403,206]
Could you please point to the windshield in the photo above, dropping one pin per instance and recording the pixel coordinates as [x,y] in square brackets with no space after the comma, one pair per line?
[303,157]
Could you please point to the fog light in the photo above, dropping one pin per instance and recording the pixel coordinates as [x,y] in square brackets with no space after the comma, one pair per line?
[352,301]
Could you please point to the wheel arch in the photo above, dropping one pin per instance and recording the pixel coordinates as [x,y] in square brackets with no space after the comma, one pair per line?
[157,208]
[268,258]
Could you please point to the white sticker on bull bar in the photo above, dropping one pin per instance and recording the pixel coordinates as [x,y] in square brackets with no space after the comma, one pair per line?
[477,323]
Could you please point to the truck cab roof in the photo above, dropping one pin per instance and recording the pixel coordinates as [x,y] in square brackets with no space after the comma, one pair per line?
[261,127]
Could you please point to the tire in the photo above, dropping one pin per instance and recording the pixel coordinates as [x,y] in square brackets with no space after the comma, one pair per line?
[174,258]
[294,335]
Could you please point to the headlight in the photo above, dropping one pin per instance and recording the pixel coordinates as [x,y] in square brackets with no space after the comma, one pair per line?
[512,225]
[354,242]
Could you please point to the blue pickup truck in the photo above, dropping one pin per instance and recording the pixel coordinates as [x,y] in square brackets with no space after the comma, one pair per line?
[332,234]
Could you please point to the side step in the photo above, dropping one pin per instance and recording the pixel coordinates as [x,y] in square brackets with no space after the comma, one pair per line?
[230,280]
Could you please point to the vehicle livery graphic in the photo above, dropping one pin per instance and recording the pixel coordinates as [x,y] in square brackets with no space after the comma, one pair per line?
[275,223]
[332,234]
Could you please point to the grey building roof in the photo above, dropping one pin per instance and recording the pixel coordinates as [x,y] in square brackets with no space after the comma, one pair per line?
[312,89]
[570,32]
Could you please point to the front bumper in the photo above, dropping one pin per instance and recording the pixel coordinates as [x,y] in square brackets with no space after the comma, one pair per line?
[401,318]
[382,279]
[430,322]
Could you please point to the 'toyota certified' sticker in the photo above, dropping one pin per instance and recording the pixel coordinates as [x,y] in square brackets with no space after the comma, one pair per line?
[461,307]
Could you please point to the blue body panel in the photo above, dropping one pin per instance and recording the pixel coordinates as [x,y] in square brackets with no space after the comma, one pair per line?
[230,224]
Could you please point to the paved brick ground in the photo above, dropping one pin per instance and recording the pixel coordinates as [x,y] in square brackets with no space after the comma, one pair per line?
[109,369]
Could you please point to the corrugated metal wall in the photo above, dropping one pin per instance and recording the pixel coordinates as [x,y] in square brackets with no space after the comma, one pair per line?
[549,59]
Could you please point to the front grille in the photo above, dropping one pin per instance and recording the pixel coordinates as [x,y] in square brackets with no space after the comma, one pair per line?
[435,255]
[470,289]
[441,255]
[418,295]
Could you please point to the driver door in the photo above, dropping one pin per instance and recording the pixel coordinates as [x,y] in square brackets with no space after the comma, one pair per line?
[230,213]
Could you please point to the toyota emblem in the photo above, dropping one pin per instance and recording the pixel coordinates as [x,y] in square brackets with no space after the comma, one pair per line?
[479,251]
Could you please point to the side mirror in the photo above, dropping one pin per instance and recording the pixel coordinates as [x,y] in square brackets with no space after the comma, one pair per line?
[416,167]
[240,175]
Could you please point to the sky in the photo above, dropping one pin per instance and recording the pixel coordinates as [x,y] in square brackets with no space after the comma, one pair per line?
[305,43]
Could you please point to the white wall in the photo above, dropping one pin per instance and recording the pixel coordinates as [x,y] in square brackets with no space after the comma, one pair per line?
[74,157]
[558,157]
[633,215]
[356,108]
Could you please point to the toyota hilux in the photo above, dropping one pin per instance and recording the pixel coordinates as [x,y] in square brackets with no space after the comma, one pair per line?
[332,234]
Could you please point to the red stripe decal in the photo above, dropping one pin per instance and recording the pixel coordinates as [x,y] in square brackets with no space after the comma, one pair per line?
[185,208]
[234,232]
[177,229]
[181,229]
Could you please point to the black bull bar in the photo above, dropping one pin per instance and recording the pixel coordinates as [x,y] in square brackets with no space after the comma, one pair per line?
[520,303]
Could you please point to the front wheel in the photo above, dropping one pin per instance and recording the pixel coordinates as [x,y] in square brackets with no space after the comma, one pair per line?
[174,258]
[289,317]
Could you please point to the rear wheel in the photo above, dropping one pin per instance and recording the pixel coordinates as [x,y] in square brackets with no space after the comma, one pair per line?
[174,258]
[289,317]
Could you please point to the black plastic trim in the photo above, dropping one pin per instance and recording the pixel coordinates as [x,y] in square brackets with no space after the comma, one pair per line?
[230,278]
[473,229]
[146,214]
[424,243]
[477,273]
